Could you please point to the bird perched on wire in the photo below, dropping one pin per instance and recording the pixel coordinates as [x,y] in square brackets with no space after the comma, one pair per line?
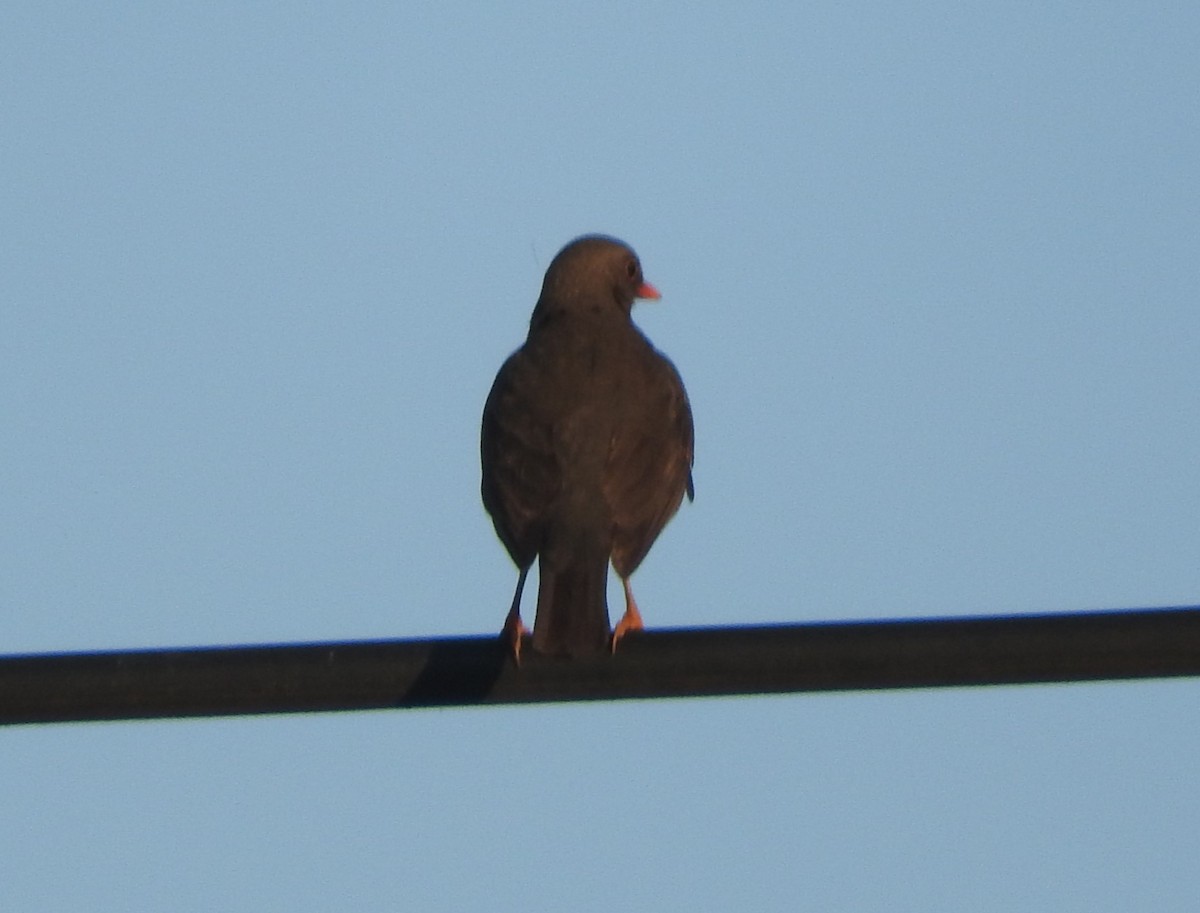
[586,448]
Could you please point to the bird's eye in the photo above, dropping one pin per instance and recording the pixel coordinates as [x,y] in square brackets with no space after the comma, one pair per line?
[631,269]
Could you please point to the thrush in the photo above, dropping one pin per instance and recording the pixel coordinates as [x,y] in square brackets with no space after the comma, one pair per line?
[586,448]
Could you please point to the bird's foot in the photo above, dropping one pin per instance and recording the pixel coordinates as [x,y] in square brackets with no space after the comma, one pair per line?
[630,621]
[512,632]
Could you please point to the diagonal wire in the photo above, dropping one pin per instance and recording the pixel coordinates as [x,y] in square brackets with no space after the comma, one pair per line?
[685,662]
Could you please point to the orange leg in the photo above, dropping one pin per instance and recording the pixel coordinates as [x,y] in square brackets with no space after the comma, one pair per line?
[514,629]
[630,621]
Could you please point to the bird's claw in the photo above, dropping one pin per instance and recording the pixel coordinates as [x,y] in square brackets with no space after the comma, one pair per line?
[512,632]
[630,621]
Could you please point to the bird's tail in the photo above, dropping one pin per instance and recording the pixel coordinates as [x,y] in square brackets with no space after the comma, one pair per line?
[572,608]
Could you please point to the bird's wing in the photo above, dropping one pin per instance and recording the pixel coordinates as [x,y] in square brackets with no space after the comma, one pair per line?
[521,476]
[650,464]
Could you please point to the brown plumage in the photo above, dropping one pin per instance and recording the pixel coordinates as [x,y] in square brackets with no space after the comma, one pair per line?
[586,447]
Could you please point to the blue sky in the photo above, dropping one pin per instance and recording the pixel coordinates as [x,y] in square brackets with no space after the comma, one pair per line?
[930,275]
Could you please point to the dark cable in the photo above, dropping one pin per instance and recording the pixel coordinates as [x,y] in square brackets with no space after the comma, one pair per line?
[685,662]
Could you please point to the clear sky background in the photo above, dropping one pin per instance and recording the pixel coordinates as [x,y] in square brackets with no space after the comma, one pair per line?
[930,273]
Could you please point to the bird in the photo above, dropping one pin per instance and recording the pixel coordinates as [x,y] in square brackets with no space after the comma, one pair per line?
[586,449]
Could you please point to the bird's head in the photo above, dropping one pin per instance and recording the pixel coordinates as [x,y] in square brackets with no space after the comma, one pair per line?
[594,273]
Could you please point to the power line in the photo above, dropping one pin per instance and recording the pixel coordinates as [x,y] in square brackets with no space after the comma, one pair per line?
[684,662]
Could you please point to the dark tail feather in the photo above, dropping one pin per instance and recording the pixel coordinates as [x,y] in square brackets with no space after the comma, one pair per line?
[572,609]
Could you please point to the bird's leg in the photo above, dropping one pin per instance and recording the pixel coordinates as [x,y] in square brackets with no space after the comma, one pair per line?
[514,629]
[631,620]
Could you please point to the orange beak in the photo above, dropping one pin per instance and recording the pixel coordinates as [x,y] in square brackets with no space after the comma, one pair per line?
[646,290]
